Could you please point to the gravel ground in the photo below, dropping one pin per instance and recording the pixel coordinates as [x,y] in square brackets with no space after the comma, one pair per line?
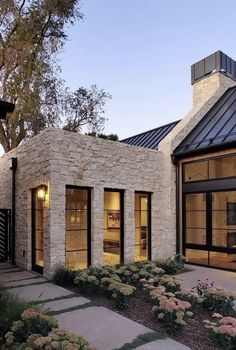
[195,335]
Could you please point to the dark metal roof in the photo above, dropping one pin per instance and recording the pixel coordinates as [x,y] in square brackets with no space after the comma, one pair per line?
[151,138]
[216,130]
[217,62]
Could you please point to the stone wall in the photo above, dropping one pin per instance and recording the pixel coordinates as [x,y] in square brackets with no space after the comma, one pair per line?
[33,170]
[82,160]
[58,158]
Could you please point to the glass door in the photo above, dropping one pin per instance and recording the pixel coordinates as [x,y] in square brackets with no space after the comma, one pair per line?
[195,228]
[209,230]
[223,229]
[37,233]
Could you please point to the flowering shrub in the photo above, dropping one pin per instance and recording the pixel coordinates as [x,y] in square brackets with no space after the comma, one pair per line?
[169,310]
[87,283]
[56,339]
[202,286]
[190,295]
[120,292]
[38,331]
[171,283]
[223,330]
[219,300]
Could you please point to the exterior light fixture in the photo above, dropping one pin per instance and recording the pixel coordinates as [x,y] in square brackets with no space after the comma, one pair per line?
[41,192]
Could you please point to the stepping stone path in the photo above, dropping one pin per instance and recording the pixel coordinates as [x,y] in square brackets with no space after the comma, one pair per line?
[103,328]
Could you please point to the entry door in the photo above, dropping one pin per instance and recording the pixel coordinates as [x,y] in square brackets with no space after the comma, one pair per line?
[37,233]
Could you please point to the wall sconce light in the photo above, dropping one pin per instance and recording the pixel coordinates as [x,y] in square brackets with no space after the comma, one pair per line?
[42,192]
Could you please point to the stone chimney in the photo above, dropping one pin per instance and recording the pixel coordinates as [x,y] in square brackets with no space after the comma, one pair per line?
[210,74]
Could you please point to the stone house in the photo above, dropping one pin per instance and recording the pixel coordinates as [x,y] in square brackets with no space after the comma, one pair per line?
[78,200]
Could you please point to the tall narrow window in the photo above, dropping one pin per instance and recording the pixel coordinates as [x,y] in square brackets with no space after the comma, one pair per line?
[78,227]
[113,227]
[142,226]
[37,232]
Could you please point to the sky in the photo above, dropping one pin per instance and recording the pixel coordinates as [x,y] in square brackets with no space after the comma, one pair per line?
[141,51]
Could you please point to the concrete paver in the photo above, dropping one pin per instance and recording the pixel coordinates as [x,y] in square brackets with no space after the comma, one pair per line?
[161,344]
[40,292]
[16,276]
[24,282]
[224,279]
[64,304]
[104,328]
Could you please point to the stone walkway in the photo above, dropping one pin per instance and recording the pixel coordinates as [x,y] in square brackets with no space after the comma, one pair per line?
[224,279]
[102,327]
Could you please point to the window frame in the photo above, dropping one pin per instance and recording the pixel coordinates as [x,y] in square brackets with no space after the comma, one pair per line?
[149,245]
[89,220]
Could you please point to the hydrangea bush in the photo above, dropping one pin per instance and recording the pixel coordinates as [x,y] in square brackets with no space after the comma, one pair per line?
[223,330]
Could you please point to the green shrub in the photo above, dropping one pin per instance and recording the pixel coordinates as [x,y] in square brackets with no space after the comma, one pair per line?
[87,283]
[172,265]
[219,300]
[63,276]
[118,291]
[171,283]
[10,310]
[38,331]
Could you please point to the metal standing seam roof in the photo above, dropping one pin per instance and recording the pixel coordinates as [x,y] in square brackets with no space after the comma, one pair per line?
[151,138]
[217,129]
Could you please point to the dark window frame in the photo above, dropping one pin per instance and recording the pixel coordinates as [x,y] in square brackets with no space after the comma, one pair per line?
[208,246]
[35,267]
[122,219]
[89,220]
[149,246]
[208,159]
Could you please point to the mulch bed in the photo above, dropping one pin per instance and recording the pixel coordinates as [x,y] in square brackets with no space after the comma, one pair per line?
[195,335]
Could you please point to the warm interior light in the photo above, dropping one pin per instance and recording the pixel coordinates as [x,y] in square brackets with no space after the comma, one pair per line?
[41,193]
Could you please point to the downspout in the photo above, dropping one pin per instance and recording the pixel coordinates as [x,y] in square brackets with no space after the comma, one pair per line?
[13,211]
[175,162]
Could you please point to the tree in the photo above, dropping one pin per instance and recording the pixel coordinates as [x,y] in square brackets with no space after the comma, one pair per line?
[32,33]
[85,107]
[111,137]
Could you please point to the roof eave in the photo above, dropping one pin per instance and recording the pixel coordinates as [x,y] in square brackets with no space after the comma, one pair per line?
[205,150]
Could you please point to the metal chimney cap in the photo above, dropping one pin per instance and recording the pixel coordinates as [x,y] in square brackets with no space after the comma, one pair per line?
[216,62]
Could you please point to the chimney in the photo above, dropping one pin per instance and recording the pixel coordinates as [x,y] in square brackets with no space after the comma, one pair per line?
[211,73]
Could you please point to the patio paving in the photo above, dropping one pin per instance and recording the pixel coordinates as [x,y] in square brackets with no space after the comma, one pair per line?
[102,327]
[224,279]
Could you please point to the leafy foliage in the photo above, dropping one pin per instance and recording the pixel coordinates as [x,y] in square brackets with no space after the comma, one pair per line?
[10,310]
[32,34]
